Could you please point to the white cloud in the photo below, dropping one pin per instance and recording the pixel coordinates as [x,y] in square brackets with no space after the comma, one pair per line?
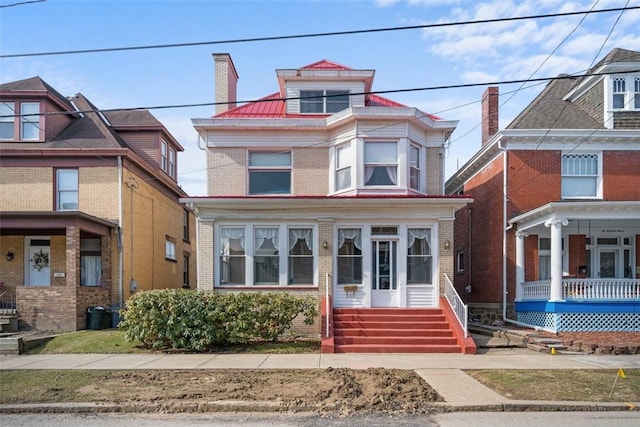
[478,76]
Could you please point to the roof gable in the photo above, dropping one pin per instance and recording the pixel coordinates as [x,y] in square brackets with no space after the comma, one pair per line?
[325,64]
[38,87]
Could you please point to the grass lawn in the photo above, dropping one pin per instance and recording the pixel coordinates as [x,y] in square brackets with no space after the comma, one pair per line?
[111,341]
[588,385]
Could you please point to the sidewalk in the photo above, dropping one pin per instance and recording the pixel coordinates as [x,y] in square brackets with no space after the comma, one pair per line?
[444,372]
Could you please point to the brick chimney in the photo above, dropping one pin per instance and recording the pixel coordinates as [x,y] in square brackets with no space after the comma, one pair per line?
[489,113]
[226,80]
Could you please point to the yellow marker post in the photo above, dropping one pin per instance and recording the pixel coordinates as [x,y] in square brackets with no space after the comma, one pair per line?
[619,374]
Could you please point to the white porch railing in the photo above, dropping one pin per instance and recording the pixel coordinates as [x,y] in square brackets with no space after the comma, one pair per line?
[585,289]
[455,302]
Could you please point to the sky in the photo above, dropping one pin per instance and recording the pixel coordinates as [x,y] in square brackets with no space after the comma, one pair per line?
[407,59]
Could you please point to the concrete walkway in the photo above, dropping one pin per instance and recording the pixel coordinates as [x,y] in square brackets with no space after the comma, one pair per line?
[444,372]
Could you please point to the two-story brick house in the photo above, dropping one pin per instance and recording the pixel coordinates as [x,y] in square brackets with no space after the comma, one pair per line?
[326,189]
[554,230]
[89,208]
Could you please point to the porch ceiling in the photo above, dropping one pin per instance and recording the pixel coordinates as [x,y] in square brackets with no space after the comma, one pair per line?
[619,210]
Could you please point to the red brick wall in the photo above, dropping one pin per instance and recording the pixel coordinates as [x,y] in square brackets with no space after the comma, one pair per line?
[534,179]
[621,178]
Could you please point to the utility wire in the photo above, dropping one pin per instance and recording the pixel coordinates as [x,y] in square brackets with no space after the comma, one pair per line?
[313,35]
[21,3]
[376,92]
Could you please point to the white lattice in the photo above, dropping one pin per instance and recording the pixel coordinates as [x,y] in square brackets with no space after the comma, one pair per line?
[585,322]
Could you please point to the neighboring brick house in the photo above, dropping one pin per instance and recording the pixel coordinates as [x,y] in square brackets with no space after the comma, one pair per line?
[554,231]
[324,188]
[89,208]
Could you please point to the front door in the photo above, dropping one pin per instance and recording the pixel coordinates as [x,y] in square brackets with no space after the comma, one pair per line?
[608,263]
[38,269]
[384,282]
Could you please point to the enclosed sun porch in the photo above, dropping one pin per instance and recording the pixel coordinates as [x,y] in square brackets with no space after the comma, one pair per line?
[578,266]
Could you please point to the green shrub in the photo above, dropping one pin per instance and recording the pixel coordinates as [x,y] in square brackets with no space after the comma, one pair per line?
[197,321]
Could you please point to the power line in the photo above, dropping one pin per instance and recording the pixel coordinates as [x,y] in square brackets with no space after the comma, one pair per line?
[21,3]
[376,92]
[313,35]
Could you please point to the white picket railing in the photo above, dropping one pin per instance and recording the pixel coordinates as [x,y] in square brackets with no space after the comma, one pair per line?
[455,302]
[585,289]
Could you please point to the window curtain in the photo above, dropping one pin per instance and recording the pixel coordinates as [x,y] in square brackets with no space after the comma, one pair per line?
[420,233]
[296,234]
[226,234]
[262,234]
[91,270]
[368,173]
[350,233]
[392,172]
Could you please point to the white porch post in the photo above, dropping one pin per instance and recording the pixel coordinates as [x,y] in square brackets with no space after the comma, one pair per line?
[556,257]
[520,236]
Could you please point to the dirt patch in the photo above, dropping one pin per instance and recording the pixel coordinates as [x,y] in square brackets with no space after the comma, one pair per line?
[321,390]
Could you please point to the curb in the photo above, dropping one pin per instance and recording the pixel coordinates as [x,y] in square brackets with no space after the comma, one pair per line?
[248,406]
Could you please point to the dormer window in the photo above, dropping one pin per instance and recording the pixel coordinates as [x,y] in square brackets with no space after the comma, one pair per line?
[168,159]
[323,101]
[20,121]
[625,92]
[380,163]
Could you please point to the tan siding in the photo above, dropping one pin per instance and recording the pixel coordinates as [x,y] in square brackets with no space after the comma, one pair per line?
[310,172]
[434,171]
[26,189]
[98,192]
[226,174]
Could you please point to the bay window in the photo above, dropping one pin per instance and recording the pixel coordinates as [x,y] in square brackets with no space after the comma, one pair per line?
[414,167]
[380,163]
[343,167]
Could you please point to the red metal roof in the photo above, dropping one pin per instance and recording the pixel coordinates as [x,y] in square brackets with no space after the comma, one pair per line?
[268,107]
[325,64]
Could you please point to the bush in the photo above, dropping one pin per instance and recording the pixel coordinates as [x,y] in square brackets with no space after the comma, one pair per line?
[198,321]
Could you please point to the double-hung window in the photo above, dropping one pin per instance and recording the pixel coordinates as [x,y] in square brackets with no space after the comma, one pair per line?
[266,256]
[30,121]
[343,167]
[90,262]
[419,258]
[269,172]
[67,189]
[414,167]
[323,101]
[349,256]
[172,163]
[300,256]
[7,121]
[232,255]
[544,258]
[381,163]
[636,93]
[619,89]
[163,155]
[580,175]
[170,248]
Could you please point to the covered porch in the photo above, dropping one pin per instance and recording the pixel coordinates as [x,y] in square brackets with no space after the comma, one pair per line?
[577,266]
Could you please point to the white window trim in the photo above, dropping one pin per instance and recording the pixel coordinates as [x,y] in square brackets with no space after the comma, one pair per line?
[59,206]
[283,254]
[629,103]
[251,168]
[599,180]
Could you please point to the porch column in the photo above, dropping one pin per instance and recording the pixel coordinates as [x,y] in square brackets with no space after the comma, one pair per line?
[520,236]
[555,224]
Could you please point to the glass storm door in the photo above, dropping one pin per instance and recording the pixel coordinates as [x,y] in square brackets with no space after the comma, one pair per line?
[608,259]
[384,288]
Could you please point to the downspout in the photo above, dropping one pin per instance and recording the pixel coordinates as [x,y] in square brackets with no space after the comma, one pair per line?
[120,249]
[506,227]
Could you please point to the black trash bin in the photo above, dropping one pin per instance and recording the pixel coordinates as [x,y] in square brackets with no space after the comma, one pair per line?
[95,318]
[106,319]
